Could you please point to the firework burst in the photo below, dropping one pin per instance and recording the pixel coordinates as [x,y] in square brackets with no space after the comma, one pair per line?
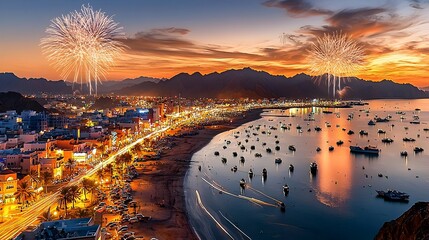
[336,55]
[83,44]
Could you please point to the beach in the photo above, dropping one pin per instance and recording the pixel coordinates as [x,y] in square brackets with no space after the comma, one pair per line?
[159,189]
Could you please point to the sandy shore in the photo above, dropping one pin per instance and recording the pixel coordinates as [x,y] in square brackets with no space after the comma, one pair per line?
[159,188]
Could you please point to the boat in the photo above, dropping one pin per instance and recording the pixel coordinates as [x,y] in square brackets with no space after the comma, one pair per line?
[318,149]
[350,132]
[264,172]
[340,142]
[371,123]
[286,189]
[381,131]
[415,121]
[224,160]
[292,148]
[252,147]
[291,167]
[317,129]
[242,183]
[363,132]
[418,149]
[313,167]
[298,127]
[242,160]
[392,195]
[407,139]
[387,140]
[228,142]
[234,154]
[258,155]
[268,150]
[216,153]
[250,173]
[404,153]
[278,160]
[224,147]
[242,147]
[277,148]
[425,129]
[331,148]
[382,119]
[326,111]
[365,150]
[199,168]
[234,169]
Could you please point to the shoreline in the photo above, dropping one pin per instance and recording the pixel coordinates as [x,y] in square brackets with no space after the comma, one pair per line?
[160,185]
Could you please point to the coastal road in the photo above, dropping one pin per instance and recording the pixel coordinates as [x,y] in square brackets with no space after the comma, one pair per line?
[13,226]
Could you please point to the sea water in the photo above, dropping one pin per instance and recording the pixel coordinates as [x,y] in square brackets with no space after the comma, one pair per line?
[339,202]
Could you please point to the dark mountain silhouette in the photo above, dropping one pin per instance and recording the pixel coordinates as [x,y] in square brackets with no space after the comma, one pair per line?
[10,82]
[249,83]
[15,101]
[110,86]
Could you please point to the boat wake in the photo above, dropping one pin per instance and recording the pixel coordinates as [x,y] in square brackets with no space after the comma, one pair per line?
[208,213]
[253,200]
[235,226]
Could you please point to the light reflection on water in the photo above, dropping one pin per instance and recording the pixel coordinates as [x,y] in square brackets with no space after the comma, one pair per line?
[338,200]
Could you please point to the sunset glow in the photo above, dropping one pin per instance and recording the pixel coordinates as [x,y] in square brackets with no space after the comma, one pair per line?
[272,35]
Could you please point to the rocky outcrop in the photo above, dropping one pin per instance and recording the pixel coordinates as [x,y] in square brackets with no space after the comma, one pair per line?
[412,225]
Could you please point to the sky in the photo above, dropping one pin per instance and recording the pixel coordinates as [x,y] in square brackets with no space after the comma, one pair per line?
[167,37]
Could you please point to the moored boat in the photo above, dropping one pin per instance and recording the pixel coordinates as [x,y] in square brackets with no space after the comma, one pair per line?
[286,189]
[313,167]
[242,183]
[366,150]
[292,148]
[291,167]
[404,153]
[392,195]
[250,173]
[387,140]
[371,123]
[278,160]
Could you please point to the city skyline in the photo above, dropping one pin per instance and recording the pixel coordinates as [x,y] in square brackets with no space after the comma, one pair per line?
[165,39]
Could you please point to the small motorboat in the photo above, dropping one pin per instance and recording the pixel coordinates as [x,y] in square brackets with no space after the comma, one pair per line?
[264,172]
[224,160]
[292,148]
[350,132]
[418,149]
[318,149]
[393,195]
[252,147]
[234,154]
[286,189]
[381,131]
[331,148]
[250,173]
[387,140]
[216,153]
[234,169]
[340,142]
[291,167]
[371,123]
[407,139]
[278,160]
[277,148]
[317,129]
[199,168]
[404,153]
[242,160]
[242,183]
[268,150]
[224,147]
[313,167]
[363,132]
[258,155]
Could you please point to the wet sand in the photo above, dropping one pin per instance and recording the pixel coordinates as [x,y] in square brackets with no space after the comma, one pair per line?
[159,189]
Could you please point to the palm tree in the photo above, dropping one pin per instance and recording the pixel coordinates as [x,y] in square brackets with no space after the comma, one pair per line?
[74,193]
[46,177]
[46,216]
[64,197]
[24,192]
[87,186]
[70,164]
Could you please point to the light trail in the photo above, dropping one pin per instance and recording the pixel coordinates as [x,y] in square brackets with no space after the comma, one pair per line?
[235,226]
[12,227]
[214,219]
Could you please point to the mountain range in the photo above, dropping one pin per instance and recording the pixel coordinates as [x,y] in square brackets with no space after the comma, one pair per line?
[235,83]
[15,101]
[249,83]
